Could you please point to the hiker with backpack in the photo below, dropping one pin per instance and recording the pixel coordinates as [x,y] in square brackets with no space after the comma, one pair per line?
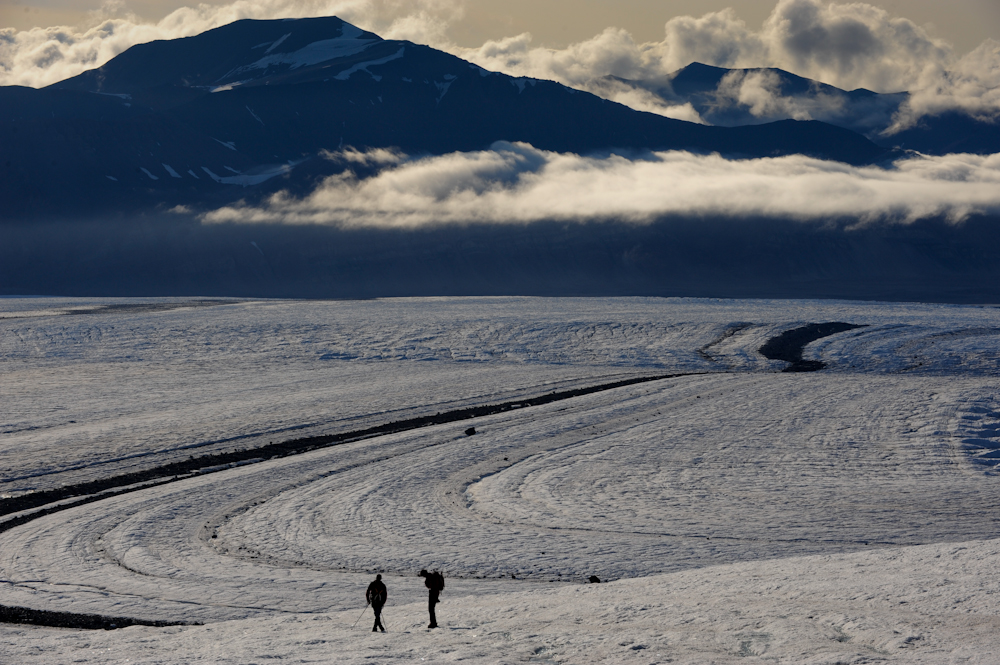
[376,596]
[435,583]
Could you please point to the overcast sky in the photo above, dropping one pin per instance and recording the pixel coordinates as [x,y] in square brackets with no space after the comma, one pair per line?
[556,23]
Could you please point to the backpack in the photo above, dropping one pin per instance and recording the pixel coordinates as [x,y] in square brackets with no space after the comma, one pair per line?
[435,581]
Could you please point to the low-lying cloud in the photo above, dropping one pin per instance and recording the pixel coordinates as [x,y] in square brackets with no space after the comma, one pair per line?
[516,183]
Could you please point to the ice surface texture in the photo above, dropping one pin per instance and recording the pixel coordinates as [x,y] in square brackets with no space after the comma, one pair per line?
[738,512]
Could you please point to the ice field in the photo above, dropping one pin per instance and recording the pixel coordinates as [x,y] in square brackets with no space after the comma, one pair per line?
[734,512]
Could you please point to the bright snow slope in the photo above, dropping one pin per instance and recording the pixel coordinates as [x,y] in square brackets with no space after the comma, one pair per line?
[740,513]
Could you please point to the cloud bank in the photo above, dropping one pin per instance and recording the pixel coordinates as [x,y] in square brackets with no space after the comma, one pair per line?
[516,183]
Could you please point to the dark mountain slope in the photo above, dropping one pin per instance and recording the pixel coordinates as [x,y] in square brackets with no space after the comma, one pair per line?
[714,92]
[71,152]
[283,87]
[949,133]
[161,74]
[207,119]
[427,101]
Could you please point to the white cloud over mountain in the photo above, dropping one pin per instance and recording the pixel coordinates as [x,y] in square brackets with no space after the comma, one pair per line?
[516,183]
[850,46]
[847,45]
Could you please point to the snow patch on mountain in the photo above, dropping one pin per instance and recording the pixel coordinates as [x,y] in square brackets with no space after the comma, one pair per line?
[229,86]
[255,116]
[311,54]
[248,179]
[363,66]
[278,43]
[443,88]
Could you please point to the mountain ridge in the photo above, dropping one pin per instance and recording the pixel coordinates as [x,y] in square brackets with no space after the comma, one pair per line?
[225,108]
[759,95]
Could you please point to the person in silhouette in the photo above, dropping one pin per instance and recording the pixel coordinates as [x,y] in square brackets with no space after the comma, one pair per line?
[435,583]
[377,595]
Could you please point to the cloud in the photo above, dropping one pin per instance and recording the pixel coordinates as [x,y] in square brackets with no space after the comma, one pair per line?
[758,95]
[376,157]
[851,45]
[848,45]
[760,92]
[584,66]
[516,183]
[971,85]
[42,56]
[641,99]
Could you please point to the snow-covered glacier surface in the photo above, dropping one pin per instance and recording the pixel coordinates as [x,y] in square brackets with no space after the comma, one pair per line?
[734,512]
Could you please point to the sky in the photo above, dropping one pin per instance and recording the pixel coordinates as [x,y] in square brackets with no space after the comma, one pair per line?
[554,23]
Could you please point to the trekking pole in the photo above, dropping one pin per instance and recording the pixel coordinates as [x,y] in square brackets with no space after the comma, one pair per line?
[362,614]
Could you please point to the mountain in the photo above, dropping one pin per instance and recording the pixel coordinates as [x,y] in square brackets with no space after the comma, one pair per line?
[70,151]
[949,132]
[737,97]
[249,108]
[740,97]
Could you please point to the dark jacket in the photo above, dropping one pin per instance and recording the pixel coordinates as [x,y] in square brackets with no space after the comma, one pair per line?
[377,594]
